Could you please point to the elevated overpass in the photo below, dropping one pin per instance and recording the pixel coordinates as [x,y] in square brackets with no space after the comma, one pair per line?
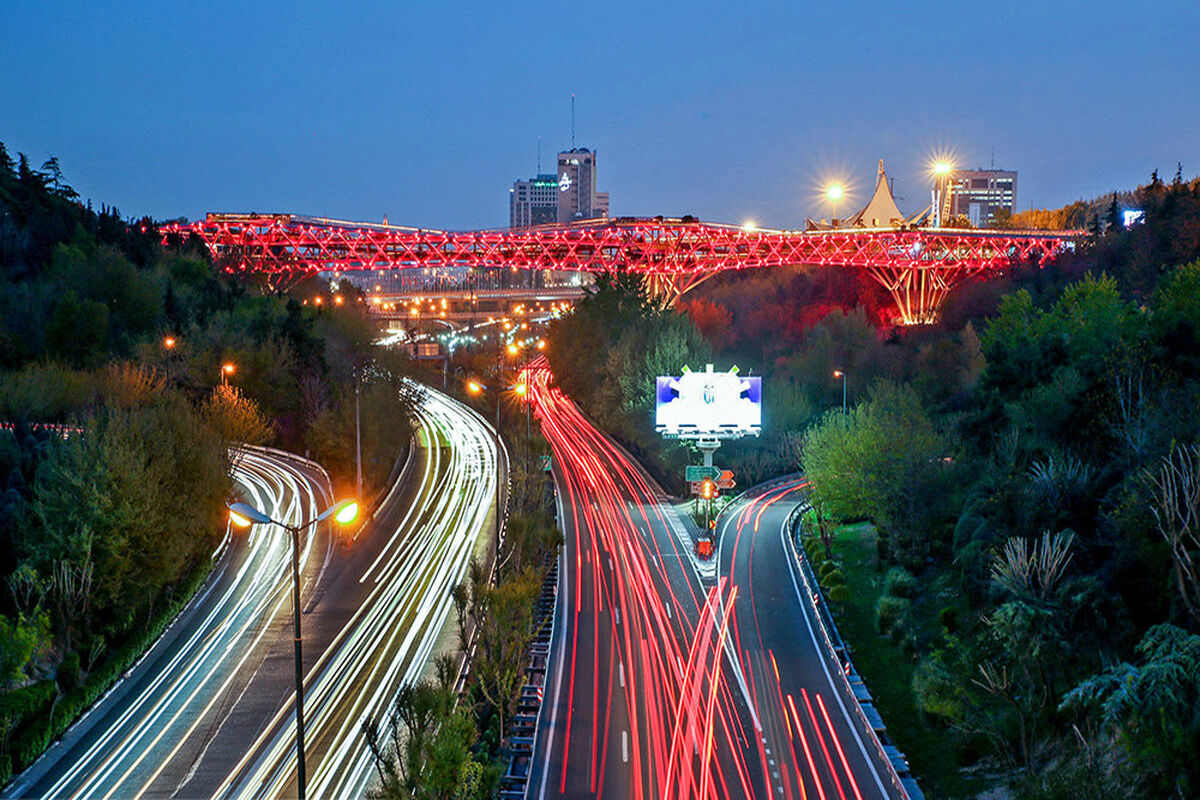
[917,265]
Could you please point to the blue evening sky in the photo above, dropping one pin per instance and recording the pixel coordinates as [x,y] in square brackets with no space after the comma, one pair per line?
[427,112]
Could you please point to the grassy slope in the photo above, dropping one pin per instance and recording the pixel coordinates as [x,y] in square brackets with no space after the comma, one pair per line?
[888,671]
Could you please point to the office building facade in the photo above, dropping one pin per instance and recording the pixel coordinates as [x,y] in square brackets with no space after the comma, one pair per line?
[577,195]
[979,194]
[533,202]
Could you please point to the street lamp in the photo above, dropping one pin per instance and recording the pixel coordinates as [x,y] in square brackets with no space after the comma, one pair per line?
[942,172]
[169,346]
[227,369]
[834,192]
[243,515]
[837,373]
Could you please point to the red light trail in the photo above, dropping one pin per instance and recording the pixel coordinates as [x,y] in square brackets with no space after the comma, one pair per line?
[918,266]
[654,713]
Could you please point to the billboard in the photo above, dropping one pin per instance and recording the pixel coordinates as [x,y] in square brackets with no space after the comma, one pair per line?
[708,405]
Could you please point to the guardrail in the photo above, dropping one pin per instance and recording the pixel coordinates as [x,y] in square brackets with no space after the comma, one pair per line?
[901,776]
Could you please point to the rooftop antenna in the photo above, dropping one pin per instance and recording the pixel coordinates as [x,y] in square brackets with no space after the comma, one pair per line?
[572,120]
[539,169]
[993,156]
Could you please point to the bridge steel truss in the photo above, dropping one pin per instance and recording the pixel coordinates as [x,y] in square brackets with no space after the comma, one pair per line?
[917,266]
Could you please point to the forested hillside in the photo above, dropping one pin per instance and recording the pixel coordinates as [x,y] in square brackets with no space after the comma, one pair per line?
[118,421]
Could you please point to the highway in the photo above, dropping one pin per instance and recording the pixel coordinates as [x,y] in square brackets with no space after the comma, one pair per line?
[209,711]
[164,712]
[821,748]
[393,603]
[641,701]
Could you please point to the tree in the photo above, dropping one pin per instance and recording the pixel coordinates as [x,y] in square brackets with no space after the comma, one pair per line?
[1113,222]
[1176,493]
[424,751]
[1151,707]
[886,460]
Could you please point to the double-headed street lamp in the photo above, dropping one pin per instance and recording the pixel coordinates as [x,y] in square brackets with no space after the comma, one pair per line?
[243,515]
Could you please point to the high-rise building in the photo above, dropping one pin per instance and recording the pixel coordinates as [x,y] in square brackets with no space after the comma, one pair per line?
[577,195]
[533,202]
[979,194]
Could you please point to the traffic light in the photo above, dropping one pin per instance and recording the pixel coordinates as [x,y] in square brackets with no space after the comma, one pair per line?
[708,489]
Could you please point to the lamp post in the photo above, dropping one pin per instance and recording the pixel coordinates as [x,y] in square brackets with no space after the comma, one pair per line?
[837,373]
[227,369]
[833,193]
[243,515]
[169,346]
[942,172]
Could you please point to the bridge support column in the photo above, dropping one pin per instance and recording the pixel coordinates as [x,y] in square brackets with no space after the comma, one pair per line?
[917,291]
[665,288]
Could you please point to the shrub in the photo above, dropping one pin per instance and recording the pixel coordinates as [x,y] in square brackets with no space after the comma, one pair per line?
[827,567]
[68,671]
[900,583]
[832,578]
[889,611]
[839,594]
[948,616]
[20,704]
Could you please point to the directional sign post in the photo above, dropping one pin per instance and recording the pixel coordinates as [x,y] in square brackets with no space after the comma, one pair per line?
[725,480]
[695,473]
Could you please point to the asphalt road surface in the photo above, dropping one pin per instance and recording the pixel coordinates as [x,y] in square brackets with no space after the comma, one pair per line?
[641,700]
[820,748]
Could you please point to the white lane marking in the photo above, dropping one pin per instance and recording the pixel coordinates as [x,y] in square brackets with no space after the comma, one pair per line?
[625,746]
[621,673]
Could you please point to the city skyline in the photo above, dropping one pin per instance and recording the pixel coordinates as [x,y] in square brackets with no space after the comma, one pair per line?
[726,115]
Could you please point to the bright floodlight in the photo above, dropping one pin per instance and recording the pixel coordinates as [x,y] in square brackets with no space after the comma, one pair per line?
[344,512]
[227,368]
[749,226]
[520,389]
[942,168]
[513,349]
[244,514]
[835,191]
[474,387]
[541,345]
[837,373]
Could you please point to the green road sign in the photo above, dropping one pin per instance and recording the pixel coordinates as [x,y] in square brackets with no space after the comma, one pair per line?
[699,473]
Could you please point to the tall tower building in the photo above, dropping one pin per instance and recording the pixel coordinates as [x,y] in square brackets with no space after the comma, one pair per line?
[577,195]
[533,202]
[979,194]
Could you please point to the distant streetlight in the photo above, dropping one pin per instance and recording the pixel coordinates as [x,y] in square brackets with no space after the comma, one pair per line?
[837,373]
[227,369]
[943,172]
[243,515]
[169,346]
[749,226]
[834,192]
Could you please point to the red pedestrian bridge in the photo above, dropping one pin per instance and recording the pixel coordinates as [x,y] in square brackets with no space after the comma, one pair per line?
[917,265]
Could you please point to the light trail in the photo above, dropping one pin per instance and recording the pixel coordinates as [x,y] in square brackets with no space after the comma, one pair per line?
[638,608]
[173,689]
[388,641]
[776,650]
